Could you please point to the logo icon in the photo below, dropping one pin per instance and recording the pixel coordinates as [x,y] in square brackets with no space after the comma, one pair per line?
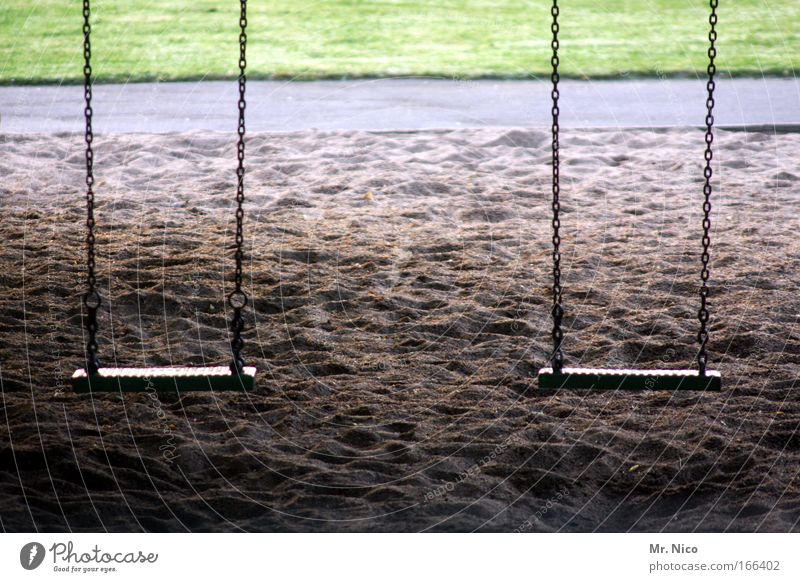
[31,555]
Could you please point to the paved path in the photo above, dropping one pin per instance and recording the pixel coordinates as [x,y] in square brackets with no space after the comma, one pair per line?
[399,104]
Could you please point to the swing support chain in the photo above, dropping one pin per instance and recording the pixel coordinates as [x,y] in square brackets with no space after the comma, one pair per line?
[557,359]
[702,314]
[91,299]
[238,299]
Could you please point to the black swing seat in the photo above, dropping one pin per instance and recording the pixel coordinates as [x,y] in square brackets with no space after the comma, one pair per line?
[605,379]
[181,379]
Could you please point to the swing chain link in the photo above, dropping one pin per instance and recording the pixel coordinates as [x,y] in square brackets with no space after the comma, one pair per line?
[91,299]
[238,299]
[557,359]
[702,315]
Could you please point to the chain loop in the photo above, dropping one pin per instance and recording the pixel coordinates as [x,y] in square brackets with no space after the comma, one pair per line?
[702,314]
[91,299]
[237,300]
[557,359]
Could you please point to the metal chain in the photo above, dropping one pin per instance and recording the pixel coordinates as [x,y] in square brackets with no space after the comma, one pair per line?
[238,299]
[557,359]
[91,299]
[702,315]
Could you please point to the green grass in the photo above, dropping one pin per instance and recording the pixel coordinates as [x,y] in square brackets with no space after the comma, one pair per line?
[136,40]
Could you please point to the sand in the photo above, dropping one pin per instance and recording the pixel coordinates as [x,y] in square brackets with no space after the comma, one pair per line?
[400,311]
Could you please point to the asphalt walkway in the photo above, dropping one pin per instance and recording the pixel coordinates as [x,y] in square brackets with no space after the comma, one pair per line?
[399,104]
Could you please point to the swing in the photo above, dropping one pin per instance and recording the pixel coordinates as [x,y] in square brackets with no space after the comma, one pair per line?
[95,378]
[557,376]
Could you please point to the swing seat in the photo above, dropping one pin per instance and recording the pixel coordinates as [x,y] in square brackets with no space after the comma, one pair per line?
[605,379]
[182,379]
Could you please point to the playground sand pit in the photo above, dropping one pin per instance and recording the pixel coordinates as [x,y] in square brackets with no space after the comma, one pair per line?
[400,287]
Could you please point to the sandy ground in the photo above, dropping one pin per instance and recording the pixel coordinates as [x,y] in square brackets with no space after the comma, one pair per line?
[400,312]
